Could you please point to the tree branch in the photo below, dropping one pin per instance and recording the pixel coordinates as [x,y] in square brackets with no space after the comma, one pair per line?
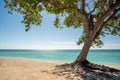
[83,5]
[82,14]
[110,2]
[104,24]
[107,13]
[92,10]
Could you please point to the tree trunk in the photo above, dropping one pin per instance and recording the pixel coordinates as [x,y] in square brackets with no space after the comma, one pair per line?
[81,59]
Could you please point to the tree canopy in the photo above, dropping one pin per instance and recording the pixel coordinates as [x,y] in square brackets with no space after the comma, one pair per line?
[103,16]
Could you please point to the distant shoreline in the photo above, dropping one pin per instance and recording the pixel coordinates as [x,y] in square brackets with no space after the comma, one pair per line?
[56,49]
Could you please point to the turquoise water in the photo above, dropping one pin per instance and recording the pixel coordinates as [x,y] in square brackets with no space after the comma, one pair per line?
[109,57]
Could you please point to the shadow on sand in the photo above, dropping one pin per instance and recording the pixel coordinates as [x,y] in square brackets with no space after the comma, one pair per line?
[99,72]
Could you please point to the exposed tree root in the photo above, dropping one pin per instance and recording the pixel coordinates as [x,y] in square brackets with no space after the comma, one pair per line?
[87,71]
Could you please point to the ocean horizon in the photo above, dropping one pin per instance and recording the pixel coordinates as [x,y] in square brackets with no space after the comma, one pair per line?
[100,56]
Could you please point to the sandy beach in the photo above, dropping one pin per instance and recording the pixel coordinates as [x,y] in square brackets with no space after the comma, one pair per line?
[19,69]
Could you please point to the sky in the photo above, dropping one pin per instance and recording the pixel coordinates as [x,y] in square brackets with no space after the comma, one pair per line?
[46,36]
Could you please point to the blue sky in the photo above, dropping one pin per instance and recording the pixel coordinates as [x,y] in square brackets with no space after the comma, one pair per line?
[46,36]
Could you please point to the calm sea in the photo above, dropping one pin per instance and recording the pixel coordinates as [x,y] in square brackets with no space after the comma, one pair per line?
[109,57]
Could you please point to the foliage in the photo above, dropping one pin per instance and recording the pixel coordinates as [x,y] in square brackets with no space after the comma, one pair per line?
[101,16]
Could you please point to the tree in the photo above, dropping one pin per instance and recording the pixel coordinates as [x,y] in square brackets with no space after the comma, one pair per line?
[96,17]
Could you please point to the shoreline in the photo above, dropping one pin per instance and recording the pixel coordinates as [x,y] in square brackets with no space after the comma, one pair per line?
[57,62]
[30,59]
